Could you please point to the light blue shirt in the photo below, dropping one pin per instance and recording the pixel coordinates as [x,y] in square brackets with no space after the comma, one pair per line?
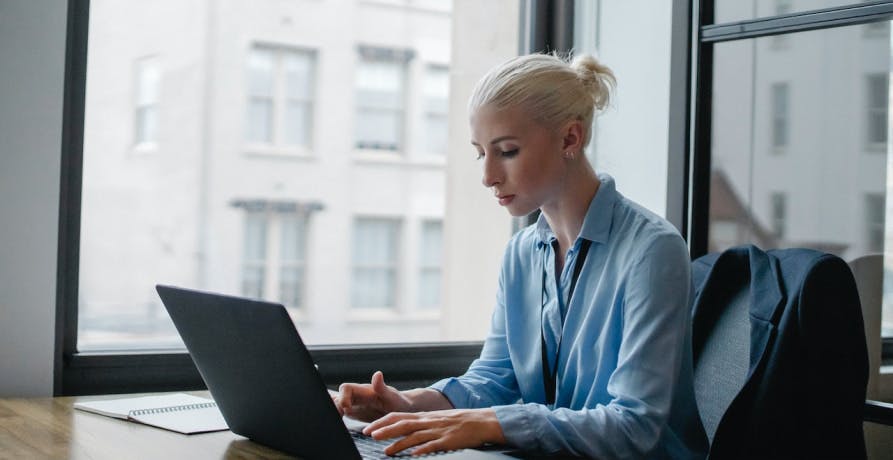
[624,372]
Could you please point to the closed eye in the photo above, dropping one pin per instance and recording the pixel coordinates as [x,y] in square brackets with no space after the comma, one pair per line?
[510,153]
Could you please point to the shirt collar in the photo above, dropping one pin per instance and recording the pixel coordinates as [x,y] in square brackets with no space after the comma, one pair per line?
[597,223]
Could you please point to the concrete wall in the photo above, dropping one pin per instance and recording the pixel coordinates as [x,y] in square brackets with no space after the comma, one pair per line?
[32,53]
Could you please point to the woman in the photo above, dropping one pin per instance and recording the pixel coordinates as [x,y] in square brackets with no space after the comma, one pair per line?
[589,346]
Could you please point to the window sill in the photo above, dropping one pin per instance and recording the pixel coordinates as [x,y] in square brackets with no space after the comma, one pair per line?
[145,148]
[297,153]
[388,315]
[387,157]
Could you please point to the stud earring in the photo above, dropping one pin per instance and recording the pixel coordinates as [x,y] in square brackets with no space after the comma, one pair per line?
[569,155]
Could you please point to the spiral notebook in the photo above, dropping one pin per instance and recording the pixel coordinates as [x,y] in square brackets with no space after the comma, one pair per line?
[178,412]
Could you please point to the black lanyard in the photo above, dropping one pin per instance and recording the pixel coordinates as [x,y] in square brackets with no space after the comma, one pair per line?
[550,375]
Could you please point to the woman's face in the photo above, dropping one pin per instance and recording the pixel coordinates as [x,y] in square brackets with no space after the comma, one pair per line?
[522,160]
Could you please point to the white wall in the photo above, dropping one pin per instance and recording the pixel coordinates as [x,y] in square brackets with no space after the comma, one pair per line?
[631,138]
[32,53]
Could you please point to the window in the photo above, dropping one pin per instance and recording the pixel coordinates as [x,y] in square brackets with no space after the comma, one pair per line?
[780,42]
[280,87]
[375,254]
[837,115]
[874,222]
[430,261]
[779,210]
[436,101]
[148,81]
[780,116]
[876,117]
[380,86]
[274,252]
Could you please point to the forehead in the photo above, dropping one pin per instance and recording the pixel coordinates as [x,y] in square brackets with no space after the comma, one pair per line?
[488,123]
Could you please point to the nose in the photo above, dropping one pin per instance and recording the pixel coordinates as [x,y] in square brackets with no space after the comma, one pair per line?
[492,174]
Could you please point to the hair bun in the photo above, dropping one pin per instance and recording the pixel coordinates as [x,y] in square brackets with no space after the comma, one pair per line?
[596,77]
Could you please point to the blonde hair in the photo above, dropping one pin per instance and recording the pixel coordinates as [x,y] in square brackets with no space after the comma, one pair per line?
[549,88]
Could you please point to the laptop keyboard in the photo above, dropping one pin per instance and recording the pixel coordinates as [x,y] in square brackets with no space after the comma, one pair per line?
[370,449]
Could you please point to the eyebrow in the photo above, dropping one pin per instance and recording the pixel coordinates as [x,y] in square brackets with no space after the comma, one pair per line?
[497,140]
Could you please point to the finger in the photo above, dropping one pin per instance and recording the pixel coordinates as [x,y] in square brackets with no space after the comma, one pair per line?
[345,398]
[378,384]
[404,427]
[385,421]
[435,445]
[415,439]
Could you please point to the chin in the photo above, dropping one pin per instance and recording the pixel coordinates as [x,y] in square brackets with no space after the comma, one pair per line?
[519,211]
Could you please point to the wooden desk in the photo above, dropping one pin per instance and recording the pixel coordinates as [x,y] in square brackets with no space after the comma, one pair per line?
[50,428]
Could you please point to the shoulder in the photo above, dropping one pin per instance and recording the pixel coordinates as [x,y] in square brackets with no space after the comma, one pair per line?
[643,234]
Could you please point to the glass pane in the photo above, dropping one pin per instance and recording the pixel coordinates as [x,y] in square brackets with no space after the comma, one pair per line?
[189,215]
[291,247]
[378,129]
[429,288]
[260,72]
[146,124]
[296,125]
[148,80]
[290,286]
[298,75]
[431,248]
[260,120]
[437,134]
[373,288]
[741,10]
[255,243]
[794,161]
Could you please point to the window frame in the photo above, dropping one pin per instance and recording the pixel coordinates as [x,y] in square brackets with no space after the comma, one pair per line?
[545,25]
[705,34]
[141,138]
[401,59]
[280,100]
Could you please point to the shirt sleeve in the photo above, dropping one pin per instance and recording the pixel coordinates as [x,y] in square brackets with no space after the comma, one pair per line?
[655,314]
[490,380]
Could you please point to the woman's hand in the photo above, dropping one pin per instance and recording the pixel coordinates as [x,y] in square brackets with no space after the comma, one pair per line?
[437,431]
[370,401]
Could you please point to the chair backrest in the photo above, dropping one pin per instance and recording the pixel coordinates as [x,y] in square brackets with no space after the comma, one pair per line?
[721,362]
[869,274]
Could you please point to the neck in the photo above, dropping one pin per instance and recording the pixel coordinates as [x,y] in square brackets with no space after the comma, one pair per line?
[566,213]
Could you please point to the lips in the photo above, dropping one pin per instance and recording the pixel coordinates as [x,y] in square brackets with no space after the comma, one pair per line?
[505,199]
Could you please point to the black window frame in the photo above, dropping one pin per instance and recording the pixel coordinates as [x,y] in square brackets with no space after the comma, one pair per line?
[544,25]
[706,34]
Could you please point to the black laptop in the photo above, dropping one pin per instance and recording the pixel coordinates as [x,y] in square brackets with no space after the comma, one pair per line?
[263,379]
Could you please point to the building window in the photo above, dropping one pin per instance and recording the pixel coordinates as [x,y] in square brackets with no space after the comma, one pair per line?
[430,263]
[781,41]
[436,106]
[274,256]
[380,105]
[780,116]
[148,81]
[779,211]
[876,97]
[280,96]
[375,258]
[874,222]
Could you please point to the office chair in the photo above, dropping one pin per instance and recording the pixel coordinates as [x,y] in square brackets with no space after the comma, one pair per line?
[780,362]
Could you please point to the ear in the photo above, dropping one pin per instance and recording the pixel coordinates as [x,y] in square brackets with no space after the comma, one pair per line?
[572,136]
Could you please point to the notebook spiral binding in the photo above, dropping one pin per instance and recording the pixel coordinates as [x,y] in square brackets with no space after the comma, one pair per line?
[164,410]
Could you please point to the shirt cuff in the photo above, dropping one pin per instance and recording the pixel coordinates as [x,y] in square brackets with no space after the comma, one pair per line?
[517,427]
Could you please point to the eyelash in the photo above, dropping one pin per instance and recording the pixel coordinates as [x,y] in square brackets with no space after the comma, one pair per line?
[506,154]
